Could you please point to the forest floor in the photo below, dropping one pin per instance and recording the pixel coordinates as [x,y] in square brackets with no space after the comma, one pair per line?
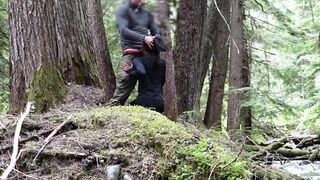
[144,143]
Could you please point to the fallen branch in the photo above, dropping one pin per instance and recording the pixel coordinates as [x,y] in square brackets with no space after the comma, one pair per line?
[16,143]
[34,137]
[49,138]
[309,141]
[61,154]
[30,138]
[2,126]
[271,148]
[27,176]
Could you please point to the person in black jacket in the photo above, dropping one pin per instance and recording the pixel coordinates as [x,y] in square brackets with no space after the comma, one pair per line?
[132,18]
[150,72]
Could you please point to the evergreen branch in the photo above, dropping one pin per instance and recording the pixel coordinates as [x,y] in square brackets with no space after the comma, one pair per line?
[262,9]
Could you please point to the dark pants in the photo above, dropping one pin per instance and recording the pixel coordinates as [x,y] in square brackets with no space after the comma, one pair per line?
[125,83]
[154,104]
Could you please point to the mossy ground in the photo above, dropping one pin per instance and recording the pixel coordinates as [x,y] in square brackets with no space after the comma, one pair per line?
[145,143]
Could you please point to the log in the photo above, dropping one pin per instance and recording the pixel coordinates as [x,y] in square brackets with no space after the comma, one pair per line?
[267,172]
[292,152]
[314,155]
[309,141]
[270,148]
[276,145]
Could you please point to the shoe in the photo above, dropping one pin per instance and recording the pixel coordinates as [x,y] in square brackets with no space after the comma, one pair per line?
[112,103]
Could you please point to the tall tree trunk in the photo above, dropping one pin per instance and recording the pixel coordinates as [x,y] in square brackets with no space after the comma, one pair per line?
[100,45]
[219,65]
[236,59]
[50,45]
[170,96]
[186,55]
[245,113]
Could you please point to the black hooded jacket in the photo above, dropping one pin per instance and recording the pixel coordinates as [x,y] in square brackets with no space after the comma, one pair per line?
[150,71]
[129,18]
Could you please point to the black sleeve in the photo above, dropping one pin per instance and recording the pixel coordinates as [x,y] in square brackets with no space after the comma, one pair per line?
[123,27]
[141,70]
[154,29]
[138,68]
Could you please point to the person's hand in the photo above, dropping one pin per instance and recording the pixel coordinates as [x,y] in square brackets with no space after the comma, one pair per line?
[149,41]
[126,67]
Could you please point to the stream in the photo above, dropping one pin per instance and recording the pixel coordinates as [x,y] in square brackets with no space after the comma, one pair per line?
[302,168]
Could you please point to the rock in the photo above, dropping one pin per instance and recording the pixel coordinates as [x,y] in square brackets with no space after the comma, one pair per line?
[88,163]
[127,177]
[113,172]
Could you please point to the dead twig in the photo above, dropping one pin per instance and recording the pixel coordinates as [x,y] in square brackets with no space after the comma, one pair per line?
[27,176]
[16,142]
[49,138]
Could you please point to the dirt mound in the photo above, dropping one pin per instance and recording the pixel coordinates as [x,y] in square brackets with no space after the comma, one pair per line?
[80,98]
[144,143]
[140,140]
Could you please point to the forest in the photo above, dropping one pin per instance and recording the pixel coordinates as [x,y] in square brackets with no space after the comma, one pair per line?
[241,92]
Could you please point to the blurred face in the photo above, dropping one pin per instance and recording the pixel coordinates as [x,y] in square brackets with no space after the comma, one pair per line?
[137,2]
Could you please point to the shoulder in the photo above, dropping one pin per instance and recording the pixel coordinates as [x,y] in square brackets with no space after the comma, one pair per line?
[147,11]
[123,8]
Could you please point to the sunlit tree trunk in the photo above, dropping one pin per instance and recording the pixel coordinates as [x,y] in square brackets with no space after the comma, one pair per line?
[186,55]
[236,59]
[50,45]
[219,41]
[170,96]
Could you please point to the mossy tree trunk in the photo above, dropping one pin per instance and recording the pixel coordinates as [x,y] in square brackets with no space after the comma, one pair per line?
[50,45]
[170,96]
[186,55]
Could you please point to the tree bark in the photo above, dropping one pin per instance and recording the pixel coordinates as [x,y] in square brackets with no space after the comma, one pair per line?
[236,59]
[170,96]
[50,45]
[220,46]
[186,55]
[100,45]
[245,112]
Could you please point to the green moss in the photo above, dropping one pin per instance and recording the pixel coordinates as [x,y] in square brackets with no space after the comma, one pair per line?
[153,131]
[199,160]
[47,89]
[177,152]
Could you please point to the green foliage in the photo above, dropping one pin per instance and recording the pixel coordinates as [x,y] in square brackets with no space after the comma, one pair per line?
[4,53]
[285,60]
[206,159]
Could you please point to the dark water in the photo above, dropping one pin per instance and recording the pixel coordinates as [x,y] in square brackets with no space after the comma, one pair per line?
[305,169]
